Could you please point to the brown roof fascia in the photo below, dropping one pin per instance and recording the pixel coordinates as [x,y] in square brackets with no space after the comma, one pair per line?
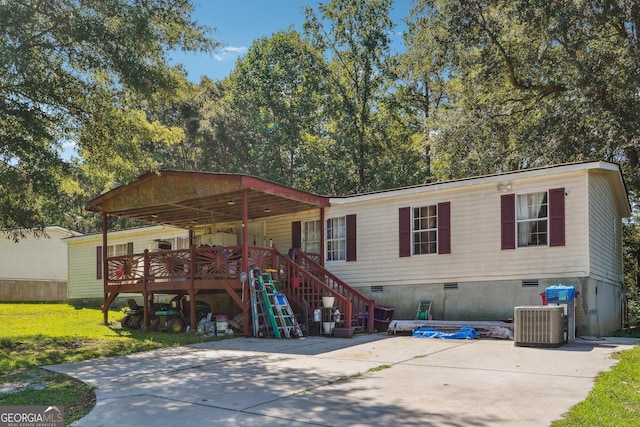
[251,182]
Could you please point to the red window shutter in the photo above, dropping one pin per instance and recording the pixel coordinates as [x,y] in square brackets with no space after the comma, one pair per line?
[404,225]
[351,237]
[508,221]
[99,262]
[130,248]
[556,217]
[296,234]
[444,228]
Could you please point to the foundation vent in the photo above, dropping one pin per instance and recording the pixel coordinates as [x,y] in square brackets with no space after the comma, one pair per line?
[529,283]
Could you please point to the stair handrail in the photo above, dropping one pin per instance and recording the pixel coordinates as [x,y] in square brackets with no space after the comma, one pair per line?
[306,258]
[304,288]
[360,303]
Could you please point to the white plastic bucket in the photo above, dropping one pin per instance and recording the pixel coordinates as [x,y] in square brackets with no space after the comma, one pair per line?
[222,323]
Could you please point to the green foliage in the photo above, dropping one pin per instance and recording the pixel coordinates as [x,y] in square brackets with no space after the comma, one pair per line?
[277,91]
[354,36]
[35,335]
[525,83]
[45,388]
[69,73]
[631,236]
[45,334]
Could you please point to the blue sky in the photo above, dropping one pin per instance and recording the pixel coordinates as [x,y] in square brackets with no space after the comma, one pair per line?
[239,22]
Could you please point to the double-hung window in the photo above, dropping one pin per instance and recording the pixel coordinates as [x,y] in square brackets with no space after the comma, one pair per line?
[532,219]
[117,250]
[425,230]
[311,236]
[336,239]
[174,243]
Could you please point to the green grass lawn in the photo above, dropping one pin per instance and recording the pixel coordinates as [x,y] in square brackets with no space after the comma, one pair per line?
[35,335]
[614,400]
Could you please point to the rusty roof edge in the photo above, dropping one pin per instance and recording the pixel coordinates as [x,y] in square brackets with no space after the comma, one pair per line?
[93,205]
[273,188]
[245,180]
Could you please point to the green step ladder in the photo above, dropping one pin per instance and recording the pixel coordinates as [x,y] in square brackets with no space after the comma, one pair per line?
[272,307]
[261,306]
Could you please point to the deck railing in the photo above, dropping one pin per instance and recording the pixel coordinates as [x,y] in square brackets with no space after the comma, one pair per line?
[363,307]
[196,263]
[304,281]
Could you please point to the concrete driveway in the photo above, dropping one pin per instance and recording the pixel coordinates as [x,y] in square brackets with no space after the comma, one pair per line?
[369,380]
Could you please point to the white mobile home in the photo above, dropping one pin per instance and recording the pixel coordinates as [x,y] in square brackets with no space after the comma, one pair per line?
[478,247]
[35,268]
[475,247]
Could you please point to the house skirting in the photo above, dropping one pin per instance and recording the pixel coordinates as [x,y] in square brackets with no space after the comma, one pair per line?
[33,290]
[598,306]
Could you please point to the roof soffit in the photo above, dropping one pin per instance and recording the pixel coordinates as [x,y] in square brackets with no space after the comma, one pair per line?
[186,198]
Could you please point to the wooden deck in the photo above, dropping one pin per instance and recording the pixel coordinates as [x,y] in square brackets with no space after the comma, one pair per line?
[206,269]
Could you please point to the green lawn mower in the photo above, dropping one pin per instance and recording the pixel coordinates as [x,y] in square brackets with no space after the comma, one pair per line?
[174,318]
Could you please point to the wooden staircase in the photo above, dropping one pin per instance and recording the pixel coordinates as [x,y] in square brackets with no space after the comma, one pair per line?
[305,281]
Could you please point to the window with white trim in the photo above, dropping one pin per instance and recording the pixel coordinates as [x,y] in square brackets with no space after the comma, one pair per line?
[336,239]
[174,243]
[532,219]
[117,250]
[311,236]
[425,230]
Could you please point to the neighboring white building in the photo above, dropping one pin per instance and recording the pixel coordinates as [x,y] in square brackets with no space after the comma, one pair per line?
[35,268]
[476,247]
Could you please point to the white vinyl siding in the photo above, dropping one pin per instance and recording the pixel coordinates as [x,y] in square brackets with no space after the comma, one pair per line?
[475,237]
[35,258]
[605,231]
[279,227]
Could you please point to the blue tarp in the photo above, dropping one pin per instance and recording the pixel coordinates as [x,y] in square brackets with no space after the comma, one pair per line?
[560,293]
[462,334]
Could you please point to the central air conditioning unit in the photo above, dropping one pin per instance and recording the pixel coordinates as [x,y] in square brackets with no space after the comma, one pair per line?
[539,326]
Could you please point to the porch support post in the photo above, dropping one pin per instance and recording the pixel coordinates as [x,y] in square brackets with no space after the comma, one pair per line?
[192,310]
[370,320]
[192,291]
[145,279]
[105,269]
[322,233]
[245,260]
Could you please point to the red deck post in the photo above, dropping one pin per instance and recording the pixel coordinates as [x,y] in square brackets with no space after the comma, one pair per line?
[349,313]
[105,270]
[147,304]
[192,292]
[370,320]
[245,260]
